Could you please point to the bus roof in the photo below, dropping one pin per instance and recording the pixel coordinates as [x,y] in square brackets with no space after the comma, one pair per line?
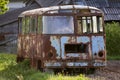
[41,11]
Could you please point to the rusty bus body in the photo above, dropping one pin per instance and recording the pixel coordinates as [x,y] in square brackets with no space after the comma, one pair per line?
[70,36]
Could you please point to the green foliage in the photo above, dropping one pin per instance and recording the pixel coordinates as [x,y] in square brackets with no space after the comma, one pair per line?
[6,60]
[3,6]
[113,40]
[22,71]
[62,77]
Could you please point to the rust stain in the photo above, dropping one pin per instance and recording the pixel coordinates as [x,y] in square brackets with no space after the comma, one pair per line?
[50,51]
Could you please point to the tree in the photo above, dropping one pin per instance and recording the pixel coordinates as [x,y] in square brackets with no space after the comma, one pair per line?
[3,6]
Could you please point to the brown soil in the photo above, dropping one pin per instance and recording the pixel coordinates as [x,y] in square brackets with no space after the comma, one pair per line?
[110,72]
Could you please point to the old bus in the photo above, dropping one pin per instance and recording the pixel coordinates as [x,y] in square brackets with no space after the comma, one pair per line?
[69,36]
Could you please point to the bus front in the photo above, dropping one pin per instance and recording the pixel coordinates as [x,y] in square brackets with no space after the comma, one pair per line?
[73,38]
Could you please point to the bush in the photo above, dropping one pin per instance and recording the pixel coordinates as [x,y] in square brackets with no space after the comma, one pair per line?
[113,39]
[3,6]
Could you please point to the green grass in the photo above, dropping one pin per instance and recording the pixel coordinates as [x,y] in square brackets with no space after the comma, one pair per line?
[6,60]
[113,57]
[113,40]
[10,70]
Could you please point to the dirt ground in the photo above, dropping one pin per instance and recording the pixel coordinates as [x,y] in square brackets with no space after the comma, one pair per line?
[110,72]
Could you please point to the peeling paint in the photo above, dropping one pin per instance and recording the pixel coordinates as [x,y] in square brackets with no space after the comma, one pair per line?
[56,43]
[64,40]
[76,64]
[97,44]
[83,39]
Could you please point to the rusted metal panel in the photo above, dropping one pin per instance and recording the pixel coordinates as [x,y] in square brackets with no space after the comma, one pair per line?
[98,45]
[55,42]
[54,49]
[29,46]
[56,46]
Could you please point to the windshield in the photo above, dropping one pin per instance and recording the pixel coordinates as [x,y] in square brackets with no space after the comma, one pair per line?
[58,25]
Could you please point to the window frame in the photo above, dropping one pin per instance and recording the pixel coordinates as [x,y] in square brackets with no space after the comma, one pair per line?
[92,24]
[61,14]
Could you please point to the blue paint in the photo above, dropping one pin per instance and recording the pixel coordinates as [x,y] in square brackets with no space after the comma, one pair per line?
[98,64]
[56,44]
[97,44]
[76,64]
[73,54]
[55,64]
[83,39]
[64,40]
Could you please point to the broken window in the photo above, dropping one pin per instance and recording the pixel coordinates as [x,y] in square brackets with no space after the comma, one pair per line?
[97,24]
[23,25]
[91,24]
[29,24]
[33,24]
[39,30]
[76,48]
[79,23]
[87,24]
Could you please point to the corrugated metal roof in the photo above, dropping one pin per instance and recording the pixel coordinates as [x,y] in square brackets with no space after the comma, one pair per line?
[111,10]
[46,3]
[102,3]
[92,3]
[111,13]
[114,3]
[97,3]
[109,17]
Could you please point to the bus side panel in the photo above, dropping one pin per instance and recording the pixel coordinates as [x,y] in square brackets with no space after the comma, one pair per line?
[39,46]
[29,46]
